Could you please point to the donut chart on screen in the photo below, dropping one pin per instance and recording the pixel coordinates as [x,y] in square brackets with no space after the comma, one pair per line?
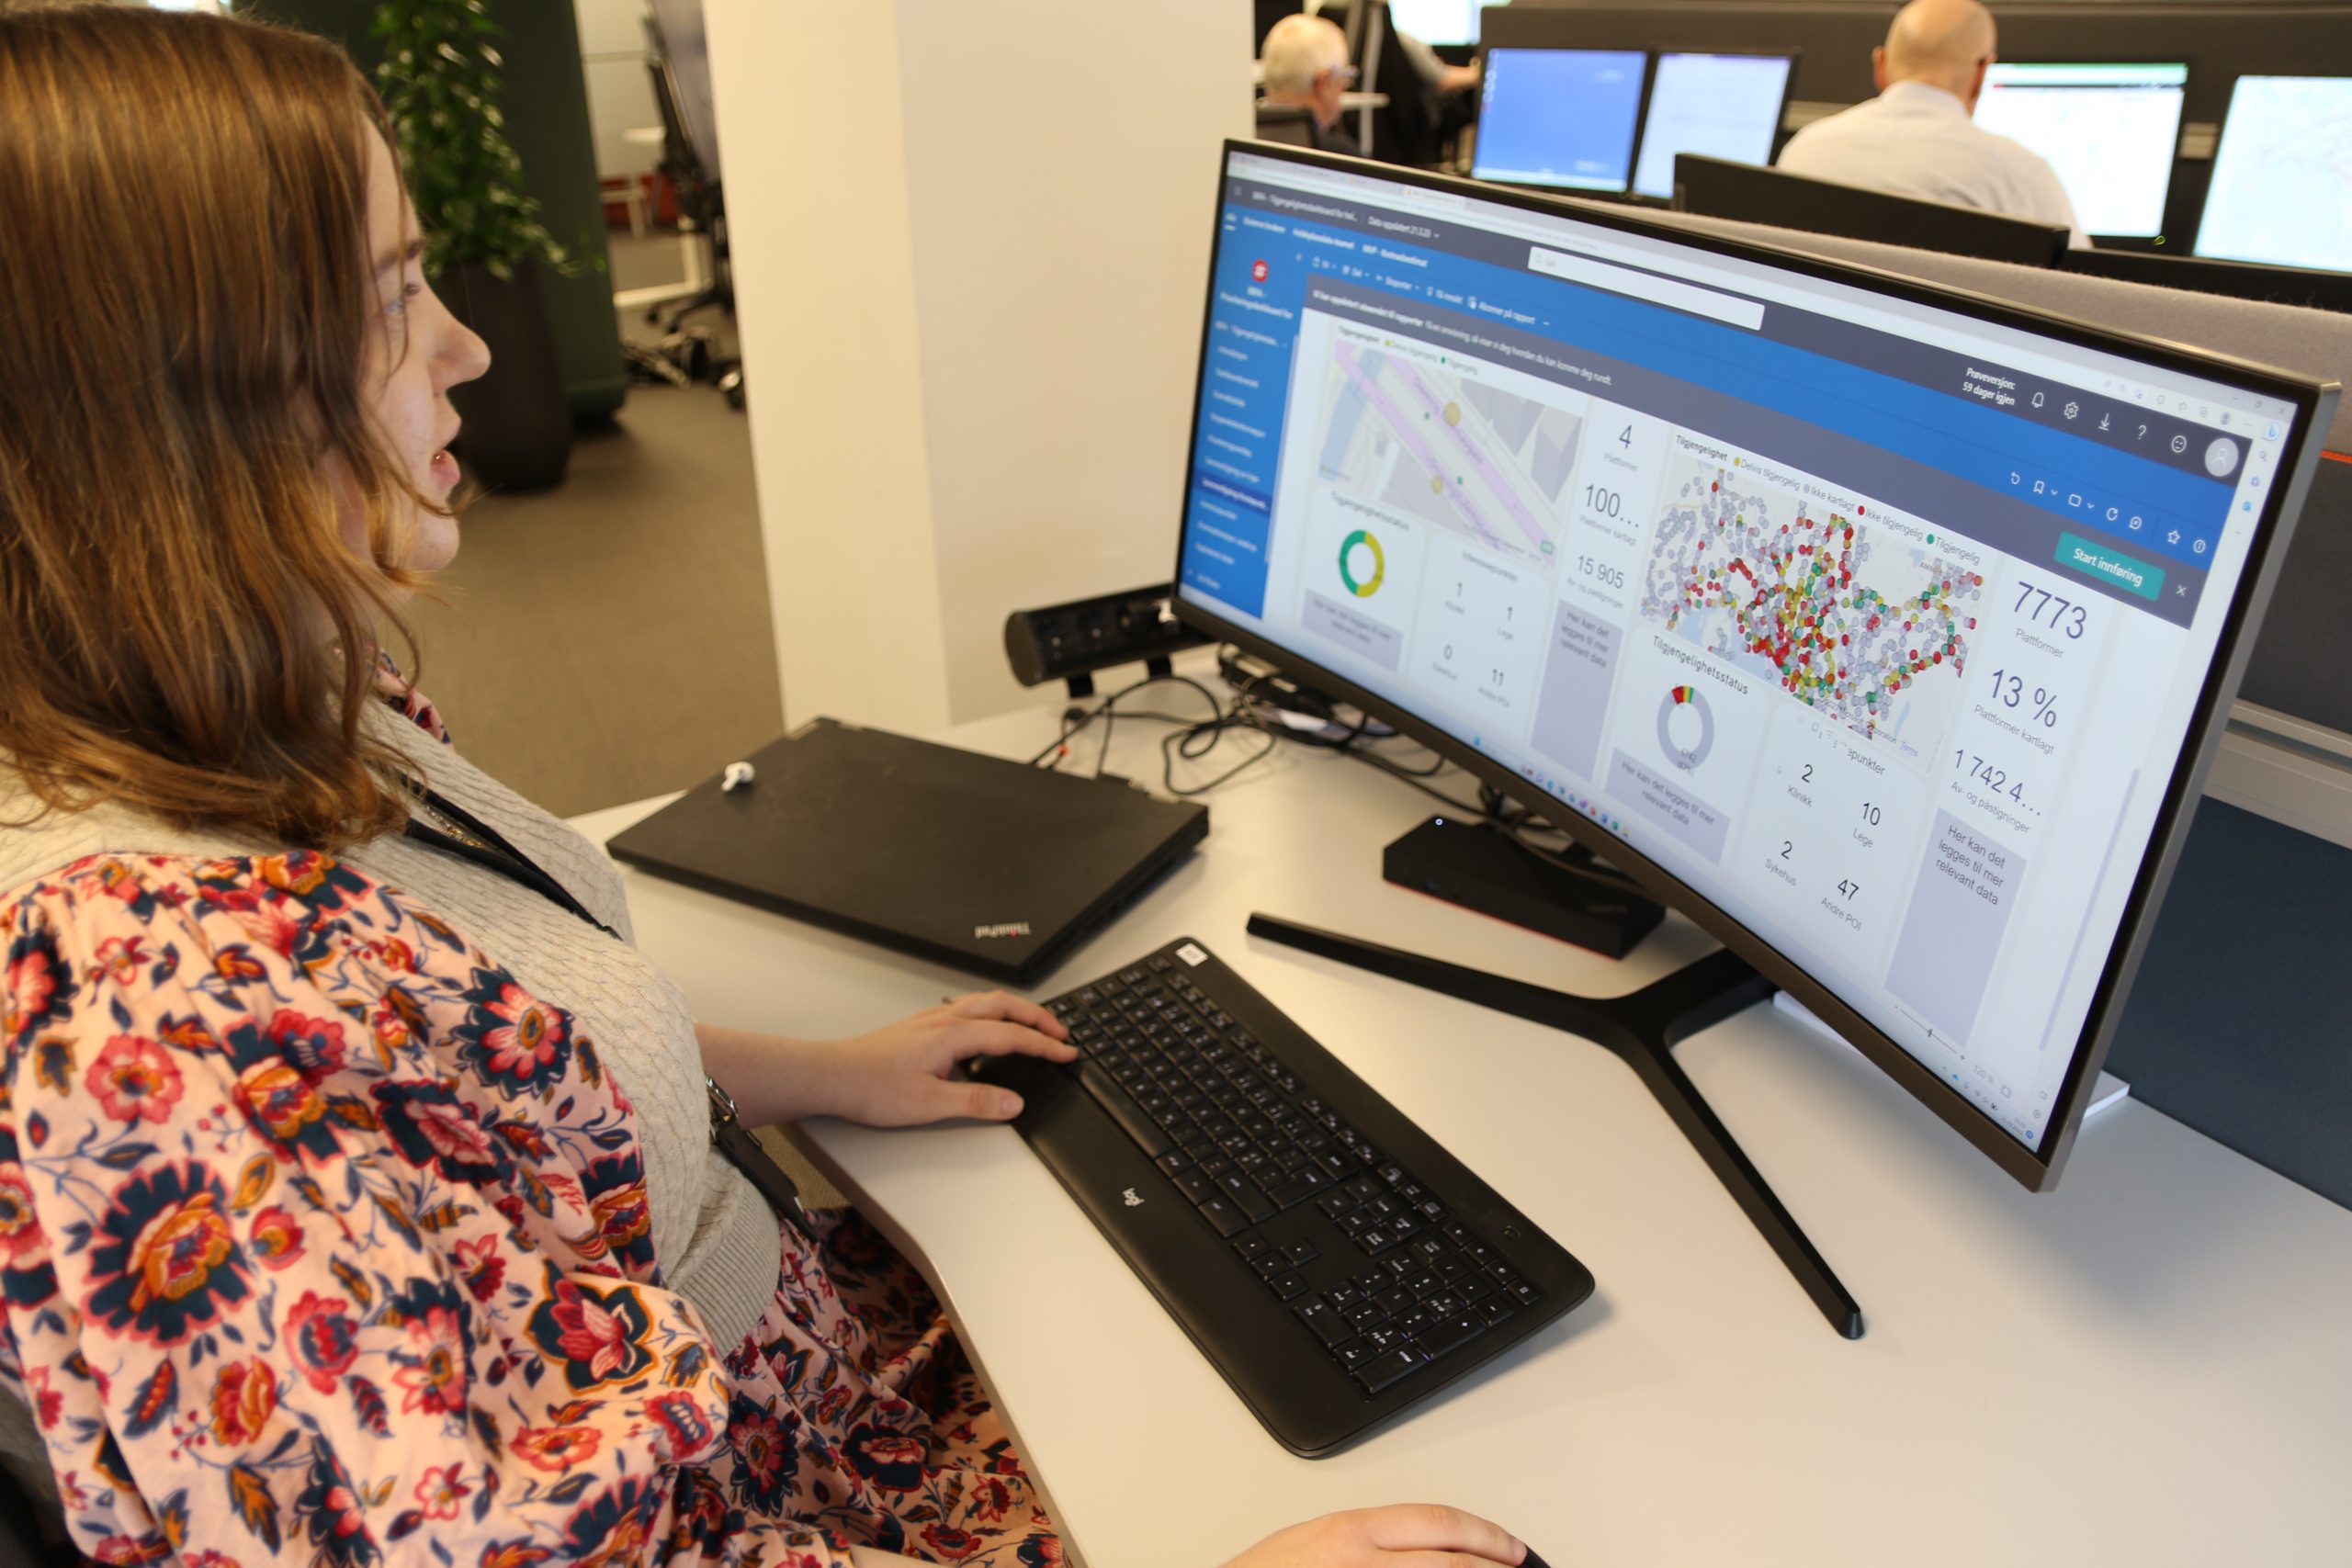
[1366,586]
[1689,756]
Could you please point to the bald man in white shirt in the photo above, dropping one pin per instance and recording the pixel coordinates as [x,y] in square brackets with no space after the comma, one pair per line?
[1916,136]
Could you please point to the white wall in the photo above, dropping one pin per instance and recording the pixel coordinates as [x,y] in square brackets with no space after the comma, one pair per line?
[970,246]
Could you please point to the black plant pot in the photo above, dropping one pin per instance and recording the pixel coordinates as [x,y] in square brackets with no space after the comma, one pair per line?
[519,422]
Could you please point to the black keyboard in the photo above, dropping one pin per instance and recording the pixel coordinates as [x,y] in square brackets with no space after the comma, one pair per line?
[1334,1263]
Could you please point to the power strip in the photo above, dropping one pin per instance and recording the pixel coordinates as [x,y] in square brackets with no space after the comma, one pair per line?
[1069,642]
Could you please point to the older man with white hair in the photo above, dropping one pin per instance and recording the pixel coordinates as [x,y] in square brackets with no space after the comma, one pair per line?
[1305,60]
[1916,136]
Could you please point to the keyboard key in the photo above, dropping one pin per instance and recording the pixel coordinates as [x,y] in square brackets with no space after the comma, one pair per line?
[1364,1315]
[1384,1338]
[1131,1121]
[1448,1333]
[1394,1300]
[1336,1203]
[1497,1308]
[1175,1162]
[1384,1369]
[1525,1295]
[1354,1353]
[1413,1320]
[1328,1325]
[1374,1241]
[1292,1189]
[1290,1286]
[1270,1264]
[1445,1304]
[1227,1219]
[1301,1252]
[1251,1249]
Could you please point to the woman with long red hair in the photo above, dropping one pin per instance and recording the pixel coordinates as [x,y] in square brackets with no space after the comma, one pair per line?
[358,1198]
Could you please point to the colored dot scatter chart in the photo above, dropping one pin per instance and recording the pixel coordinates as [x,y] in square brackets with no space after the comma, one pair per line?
[1802,599]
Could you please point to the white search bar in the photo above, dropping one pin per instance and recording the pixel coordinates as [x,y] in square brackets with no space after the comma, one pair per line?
[1705,302]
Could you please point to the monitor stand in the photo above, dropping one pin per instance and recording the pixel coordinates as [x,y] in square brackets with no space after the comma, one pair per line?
[1641,1030]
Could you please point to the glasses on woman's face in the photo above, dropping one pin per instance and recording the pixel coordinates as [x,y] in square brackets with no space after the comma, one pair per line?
[1344,76]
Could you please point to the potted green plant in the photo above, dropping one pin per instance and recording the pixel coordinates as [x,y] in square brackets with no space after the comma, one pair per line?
[484,242]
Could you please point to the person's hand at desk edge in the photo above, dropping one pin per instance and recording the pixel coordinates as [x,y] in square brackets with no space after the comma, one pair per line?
[1403,1535]
[896,1076]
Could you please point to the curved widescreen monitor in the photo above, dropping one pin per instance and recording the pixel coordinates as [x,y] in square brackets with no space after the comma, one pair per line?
[1718,106]
[1879,628]
[2110,130]
[2282,175]
[1561,118]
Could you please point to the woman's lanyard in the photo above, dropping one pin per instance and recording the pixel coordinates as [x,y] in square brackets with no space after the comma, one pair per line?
[476,840]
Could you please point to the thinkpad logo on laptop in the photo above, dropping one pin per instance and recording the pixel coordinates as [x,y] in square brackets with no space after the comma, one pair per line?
[1008,927]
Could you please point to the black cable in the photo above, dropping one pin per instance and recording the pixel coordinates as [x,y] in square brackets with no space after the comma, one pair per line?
[1100,709]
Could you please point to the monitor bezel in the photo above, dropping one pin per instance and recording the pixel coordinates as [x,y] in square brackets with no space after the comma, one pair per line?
[1795,57]
[1648,57]
[2221,139]
[2038,1166]
[2162,236]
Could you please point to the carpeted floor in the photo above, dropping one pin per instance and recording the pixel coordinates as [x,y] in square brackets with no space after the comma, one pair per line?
[609,639]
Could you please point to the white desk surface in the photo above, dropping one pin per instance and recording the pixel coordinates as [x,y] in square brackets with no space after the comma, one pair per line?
[2152,1364]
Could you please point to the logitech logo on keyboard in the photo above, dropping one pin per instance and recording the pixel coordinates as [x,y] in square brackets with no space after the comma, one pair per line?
[1131,1201]
[1008,927]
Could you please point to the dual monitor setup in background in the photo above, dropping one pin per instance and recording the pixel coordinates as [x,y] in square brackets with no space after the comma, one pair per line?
[1609,122]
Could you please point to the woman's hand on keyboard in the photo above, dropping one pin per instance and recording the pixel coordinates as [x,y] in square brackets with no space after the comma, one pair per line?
[1404,1534]
[899,1075]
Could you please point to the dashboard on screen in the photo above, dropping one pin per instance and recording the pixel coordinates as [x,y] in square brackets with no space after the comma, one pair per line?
[2110,130]
[1563,117]
[2282,175]
[1880,627]
[1723,106]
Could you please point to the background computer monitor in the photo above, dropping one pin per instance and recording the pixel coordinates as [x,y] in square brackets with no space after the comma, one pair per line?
[2110,130]
[1717,187]
[1882,630]
[2282,175]
[1440,23]
[1562,118]
[1724,105]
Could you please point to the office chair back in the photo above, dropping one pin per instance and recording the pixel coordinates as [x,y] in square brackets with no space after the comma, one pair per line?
[1290,124]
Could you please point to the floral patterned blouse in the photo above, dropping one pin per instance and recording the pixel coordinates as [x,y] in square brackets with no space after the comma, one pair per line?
[322,1241]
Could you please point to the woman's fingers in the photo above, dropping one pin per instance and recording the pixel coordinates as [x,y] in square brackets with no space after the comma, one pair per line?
[982,1102]
[1004,1005]
[1000,1037]
[1403,1535]
[1427,1532]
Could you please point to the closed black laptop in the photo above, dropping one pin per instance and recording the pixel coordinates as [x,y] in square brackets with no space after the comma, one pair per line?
[984,865]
